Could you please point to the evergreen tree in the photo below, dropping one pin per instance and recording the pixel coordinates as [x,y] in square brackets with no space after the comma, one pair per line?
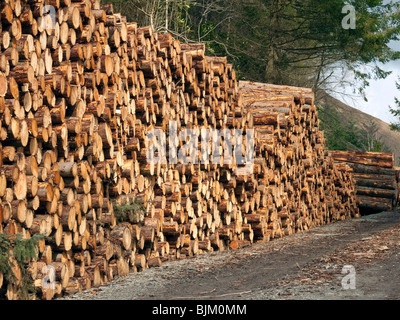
[303,42]
[396,110]
[15,254]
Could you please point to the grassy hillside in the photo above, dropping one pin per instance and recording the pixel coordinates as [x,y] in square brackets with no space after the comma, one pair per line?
[347,128]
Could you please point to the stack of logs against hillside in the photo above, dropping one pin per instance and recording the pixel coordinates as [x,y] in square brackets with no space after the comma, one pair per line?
[81,88]
[376,178]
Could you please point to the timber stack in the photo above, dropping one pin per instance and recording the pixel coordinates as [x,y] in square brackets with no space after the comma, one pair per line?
[84,96]
[376,179]
[307,187]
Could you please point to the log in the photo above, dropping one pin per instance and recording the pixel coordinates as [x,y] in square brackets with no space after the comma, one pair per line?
[374,203]
[376,179]
[121,235]
[380,159]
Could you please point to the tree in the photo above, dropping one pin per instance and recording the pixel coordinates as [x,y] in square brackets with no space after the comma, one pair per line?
[343,134]
[162,15]
[396,110]
[303,42]
[370,139]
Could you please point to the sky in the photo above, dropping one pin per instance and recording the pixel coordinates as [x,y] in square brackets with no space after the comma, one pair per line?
[381,93]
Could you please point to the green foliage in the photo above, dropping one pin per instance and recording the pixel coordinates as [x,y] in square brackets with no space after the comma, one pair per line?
[13,249]
[378,146]
[395,111]
[133,211]
[301,42]
[340,135]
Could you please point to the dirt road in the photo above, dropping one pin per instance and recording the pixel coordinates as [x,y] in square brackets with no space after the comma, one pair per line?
[352,259]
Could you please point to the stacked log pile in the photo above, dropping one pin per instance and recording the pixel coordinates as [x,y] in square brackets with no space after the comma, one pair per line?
[307,187]
[81,93]
[376,179]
